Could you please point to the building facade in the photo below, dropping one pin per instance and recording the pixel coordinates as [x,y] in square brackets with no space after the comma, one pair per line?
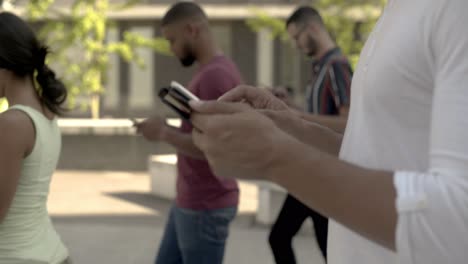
[262,59]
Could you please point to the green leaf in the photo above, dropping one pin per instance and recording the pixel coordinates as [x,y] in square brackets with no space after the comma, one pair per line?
[81,51]
[341,18]
[3,105]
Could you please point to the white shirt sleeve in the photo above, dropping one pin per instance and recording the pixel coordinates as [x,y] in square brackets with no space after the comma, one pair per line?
[433,206]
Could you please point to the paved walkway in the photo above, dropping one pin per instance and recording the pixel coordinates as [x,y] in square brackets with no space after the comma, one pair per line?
[109,217]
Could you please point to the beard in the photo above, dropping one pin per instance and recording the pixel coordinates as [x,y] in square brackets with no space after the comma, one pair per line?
[189,58]
[312,47]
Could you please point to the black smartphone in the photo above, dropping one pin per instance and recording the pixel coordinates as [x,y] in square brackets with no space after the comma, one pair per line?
[177,98]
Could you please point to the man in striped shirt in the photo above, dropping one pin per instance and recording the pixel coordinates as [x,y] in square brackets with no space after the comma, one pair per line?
[327,103]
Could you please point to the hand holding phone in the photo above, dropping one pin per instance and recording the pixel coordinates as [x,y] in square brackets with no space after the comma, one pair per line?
[177,98]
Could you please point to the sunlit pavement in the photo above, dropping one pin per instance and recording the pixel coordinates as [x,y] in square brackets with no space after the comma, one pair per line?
[110,217]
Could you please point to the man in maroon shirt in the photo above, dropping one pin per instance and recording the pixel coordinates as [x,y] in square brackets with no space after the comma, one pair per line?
[198,223]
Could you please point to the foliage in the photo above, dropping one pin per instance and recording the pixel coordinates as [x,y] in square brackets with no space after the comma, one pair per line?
[80,49]
[349,22]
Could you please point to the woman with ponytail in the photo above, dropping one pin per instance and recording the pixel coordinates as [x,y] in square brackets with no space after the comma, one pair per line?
[30,144]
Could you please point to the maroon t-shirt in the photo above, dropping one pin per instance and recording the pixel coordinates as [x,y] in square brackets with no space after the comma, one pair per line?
[197,187]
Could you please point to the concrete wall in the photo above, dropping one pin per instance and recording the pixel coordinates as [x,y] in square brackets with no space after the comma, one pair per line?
[107,152]
[106,144]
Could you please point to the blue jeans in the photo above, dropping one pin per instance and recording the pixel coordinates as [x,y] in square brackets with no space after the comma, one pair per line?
[195,237]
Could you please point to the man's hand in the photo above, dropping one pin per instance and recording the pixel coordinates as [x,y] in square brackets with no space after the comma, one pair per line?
[284,94]
[152,129]
[237,140]
[257,98]
[288,121]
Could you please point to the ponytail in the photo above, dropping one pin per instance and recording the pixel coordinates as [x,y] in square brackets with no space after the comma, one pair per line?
[53,91]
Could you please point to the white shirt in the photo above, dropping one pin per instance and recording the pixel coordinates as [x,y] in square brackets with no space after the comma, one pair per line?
[409,114]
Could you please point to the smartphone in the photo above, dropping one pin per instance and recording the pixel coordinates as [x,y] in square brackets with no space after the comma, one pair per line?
[177,97]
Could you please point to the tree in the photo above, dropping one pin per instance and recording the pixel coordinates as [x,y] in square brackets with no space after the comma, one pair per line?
[349,21]
[80,32]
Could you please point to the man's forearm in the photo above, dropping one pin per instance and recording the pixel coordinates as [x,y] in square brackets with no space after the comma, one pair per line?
[336,123]
[361,199]
[310,133]
[320,137]
[182,142]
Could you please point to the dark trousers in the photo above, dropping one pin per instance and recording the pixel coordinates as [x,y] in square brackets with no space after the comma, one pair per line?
[290,219]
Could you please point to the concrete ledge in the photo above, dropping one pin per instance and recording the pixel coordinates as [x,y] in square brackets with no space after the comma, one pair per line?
[72,126]
[107,144]
[270,200]
[163,175]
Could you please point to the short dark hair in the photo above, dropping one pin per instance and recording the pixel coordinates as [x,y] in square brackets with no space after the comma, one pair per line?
[22,54]
[303,15]
[182,10]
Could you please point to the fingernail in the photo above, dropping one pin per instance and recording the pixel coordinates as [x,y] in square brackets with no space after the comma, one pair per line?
[195,104]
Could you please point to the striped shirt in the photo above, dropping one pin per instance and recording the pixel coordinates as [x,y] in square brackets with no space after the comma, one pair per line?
[330,86]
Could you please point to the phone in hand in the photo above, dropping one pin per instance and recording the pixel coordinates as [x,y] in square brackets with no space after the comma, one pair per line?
[177,97]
